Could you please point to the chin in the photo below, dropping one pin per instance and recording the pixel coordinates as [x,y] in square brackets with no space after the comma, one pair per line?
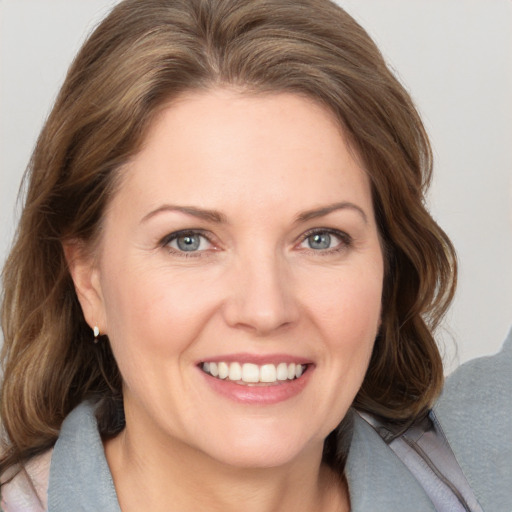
[264,449]
[261,457]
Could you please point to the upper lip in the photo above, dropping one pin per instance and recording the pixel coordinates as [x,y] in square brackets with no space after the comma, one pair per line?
[259,359]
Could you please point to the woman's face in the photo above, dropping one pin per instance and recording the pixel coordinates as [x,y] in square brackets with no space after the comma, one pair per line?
[242,240]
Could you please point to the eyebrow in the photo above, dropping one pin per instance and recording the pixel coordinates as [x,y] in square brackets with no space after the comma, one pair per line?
[200,213]
[219,218]
[325,210]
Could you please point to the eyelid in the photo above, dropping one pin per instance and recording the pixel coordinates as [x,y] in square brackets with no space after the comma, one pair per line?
[167,239]
[346,239]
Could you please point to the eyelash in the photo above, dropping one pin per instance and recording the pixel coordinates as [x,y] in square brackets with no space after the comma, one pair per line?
[186,232]
[346,242]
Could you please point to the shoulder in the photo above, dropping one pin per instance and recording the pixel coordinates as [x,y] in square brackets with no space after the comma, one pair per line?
[61,479]
[480,382]
[477,396]
[27,490]
[475,413]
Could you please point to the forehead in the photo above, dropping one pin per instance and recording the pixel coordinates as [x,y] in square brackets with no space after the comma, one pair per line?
[225,148]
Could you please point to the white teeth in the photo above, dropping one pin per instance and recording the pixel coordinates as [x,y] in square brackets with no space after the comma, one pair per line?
[235,371]
[214,369]
[252,373]
[223,370]
[268,373]
[282,371]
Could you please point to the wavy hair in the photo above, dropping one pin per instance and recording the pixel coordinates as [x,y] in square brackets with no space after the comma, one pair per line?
[144,54]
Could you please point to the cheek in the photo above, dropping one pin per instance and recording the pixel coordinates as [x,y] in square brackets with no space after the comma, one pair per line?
[150,326]
[153,313]
[349,303]
[348,315]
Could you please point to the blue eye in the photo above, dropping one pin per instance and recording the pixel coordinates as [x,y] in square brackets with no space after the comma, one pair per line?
[319,241]
[325,240]
[189,241]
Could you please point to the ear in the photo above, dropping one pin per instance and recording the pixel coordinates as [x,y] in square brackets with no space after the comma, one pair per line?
[85,273]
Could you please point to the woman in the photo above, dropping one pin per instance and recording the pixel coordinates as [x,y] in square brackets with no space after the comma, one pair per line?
[223,249]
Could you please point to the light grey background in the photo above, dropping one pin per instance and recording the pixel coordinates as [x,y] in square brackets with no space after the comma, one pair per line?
[454,56]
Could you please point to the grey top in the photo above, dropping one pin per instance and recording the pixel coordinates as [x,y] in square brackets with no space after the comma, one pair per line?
[80,479]
[424,449]
[474,412]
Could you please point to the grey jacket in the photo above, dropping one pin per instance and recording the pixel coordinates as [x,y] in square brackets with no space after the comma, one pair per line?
[475,412]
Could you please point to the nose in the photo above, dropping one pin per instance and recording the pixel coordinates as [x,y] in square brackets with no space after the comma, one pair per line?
[261,296]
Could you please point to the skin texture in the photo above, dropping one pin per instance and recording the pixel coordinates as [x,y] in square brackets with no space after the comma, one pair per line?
[254,287]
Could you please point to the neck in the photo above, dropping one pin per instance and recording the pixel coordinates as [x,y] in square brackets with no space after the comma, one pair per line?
[150,476]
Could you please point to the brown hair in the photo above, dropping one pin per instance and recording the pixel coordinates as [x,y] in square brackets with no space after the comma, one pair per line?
[143,54]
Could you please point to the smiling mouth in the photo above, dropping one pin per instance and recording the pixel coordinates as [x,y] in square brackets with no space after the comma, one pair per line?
[253,374]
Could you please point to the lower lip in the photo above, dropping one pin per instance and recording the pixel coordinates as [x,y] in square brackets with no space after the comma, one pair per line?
[259,395]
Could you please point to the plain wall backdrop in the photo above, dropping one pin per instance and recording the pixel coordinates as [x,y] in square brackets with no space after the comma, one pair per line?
[454,57]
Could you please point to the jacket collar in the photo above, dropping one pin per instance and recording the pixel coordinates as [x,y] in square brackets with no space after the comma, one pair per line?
[377,479]
[79,473]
